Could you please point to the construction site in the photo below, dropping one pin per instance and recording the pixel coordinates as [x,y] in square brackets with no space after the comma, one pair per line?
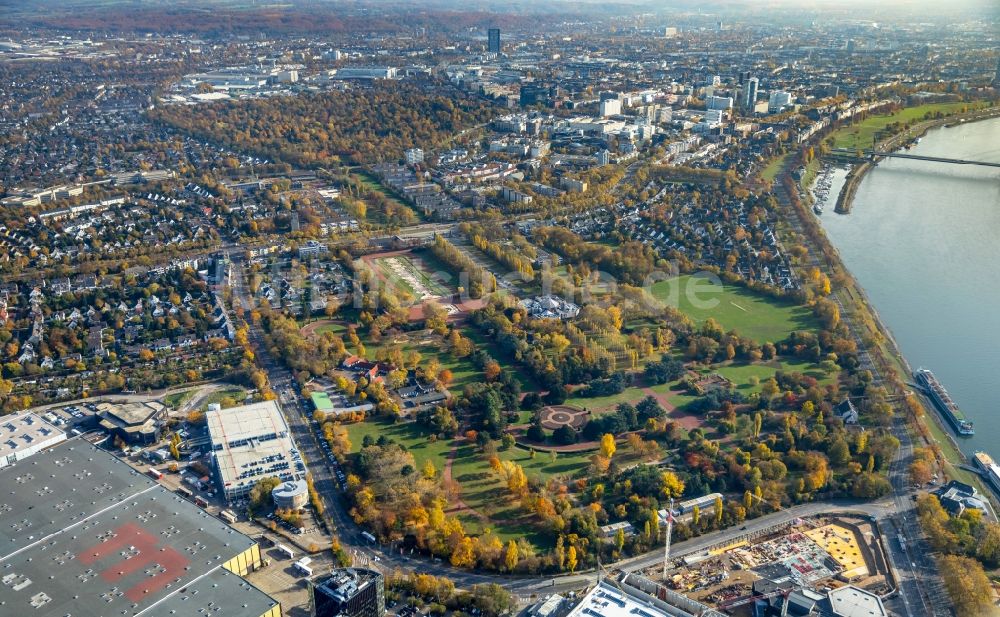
[798,562]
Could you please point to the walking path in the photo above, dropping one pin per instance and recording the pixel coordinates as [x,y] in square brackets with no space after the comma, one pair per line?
[686,421]
[457,505]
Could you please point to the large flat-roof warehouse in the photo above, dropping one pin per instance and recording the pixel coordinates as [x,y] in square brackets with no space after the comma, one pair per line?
[82,534]
[251,442]
[25,434]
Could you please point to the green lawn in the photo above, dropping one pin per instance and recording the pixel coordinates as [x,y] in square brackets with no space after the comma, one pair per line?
[770,171]
[410,435]
[233,393]
[175,399]
[463,372]
[483,491]
[372,184]
[860,135]
[336,328]
[812,169]
[741,374]
[600,404]
[753,315]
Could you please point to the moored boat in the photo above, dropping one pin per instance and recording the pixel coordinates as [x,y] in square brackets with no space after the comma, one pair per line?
[942,400]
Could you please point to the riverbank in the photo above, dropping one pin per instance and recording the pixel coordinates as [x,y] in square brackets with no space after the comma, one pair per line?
[929,310]
[897,141]
[880,351]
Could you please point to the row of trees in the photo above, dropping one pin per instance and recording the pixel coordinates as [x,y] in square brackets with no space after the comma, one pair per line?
[480,281]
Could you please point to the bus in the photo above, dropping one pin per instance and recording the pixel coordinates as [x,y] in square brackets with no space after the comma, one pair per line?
[156,474]
[183,492]
[200,502]
[368,536]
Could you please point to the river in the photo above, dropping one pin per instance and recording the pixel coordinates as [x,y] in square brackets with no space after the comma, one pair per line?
[923,240]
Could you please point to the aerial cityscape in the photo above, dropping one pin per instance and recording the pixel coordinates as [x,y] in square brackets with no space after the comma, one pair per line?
[409,308]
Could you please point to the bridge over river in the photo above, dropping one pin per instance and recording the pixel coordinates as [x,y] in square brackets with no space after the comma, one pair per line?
[873,154]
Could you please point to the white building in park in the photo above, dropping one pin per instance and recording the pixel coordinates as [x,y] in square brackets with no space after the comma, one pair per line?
[550,307]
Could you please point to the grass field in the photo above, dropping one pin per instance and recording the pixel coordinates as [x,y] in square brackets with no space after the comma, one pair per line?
[412,436]
[752,315]
[336,328]
[176,399]
[810,173]
[604,404]
[860,135]
[238,395]
[483,491]
[741,374]
[463,372]
[372,184]
[770,171]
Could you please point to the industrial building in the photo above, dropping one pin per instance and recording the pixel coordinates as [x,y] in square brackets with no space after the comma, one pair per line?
[82,533]
[25,434]
[251,442]
[349,592]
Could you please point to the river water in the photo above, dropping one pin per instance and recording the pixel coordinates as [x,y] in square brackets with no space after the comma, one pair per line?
[923,239]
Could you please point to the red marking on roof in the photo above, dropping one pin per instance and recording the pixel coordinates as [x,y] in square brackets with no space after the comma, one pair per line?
[128,537]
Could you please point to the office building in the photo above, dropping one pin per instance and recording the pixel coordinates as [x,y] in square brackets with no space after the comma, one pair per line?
[251,442]
[635,595]
[778,100]
[349,592]
[291,495]
[750,94]
[25,434]
[87,535]
[532,94]
[611,107]
[494,41]
[669,32]
[714,117]
[719,102]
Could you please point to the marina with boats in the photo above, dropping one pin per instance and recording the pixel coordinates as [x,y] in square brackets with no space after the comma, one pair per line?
[821,188]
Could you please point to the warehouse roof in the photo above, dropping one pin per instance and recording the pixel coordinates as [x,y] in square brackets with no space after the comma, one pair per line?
[82,533]
[23,432]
